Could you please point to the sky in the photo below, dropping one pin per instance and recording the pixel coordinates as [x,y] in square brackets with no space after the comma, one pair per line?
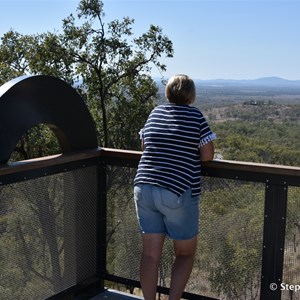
[212,39]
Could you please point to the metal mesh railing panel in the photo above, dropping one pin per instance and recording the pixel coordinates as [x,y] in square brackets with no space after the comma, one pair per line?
[228,261]
[123,237]
[291,269]
[39,236]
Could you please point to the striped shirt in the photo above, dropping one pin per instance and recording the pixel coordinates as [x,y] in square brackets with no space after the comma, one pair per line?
[172,136]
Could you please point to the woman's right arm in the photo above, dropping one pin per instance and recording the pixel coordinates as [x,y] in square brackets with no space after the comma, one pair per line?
[207,152]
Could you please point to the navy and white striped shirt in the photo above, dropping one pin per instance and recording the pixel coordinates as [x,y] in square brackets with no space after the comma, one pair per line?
[172,136]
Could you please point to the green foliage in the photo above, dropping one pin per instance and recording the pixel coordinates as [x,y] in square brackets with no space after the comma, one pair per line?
[37,142]
[14,56]
[262,141]
[115,69]
[109,65]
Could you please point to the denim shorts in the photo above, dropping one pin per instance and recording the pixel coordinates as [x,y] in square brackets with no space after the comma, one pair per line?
[159,210]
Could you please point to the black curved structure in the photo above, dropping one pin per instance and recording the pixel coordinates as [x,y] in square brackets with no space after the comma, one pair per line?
[28,101]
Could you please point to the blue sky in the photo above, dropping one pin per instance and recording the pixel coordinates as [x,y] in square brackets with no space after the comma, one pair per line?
[238,39]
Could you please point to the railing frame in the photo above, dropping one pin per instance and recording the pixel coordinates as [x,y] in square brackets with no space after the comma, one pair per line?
[277,179]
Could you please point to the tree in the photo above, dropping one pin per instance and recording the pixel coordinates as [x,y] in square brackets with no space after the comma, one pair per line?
[110,67]
[111,70]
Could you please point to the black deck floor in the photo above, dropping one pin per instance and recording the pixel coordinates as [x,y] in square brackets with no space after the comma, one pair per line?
[115,295]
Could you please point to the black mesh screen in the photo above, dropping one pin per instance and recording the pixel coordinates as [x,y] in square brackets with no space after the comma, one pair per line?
[48,231]
[228,261]
[47,234]
[123,238]
[291,269]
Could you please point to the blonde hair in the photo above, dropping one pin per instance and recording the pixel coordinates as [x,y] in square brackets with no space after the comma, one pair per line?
[180,89]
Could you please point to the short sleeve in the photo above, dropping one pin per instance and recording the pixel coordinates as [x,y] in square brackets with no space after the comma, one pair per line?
[206,135]
[208,138]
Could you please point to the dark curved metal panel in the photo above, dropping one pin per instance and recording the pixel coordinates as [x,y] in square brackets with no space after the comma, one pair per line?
[28,101]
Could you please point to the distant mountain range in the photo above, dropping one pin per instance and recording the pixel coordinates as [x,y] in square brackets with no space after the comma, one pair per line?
[264,81]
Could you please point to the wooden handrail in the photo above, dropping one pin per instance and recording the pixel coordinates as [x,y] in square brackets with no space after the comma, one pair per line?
[60,159]
[48,161]
[254,167]
[218,164]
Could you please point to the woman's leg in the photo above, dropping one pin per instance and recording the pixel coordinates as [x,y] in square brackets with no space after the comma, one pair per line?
[152,250]
[185,254]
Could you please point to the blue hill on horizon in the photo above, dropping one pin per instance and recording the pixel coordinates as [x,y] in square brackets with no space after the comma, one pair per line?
[263,81]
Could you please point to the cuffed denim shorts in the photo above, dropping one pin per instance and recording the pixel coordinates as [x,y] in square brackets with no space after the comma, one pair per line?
[159,210]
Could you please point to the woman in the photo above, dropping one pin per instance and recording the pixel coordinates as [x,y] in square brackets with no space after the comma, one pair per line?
[175,139]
